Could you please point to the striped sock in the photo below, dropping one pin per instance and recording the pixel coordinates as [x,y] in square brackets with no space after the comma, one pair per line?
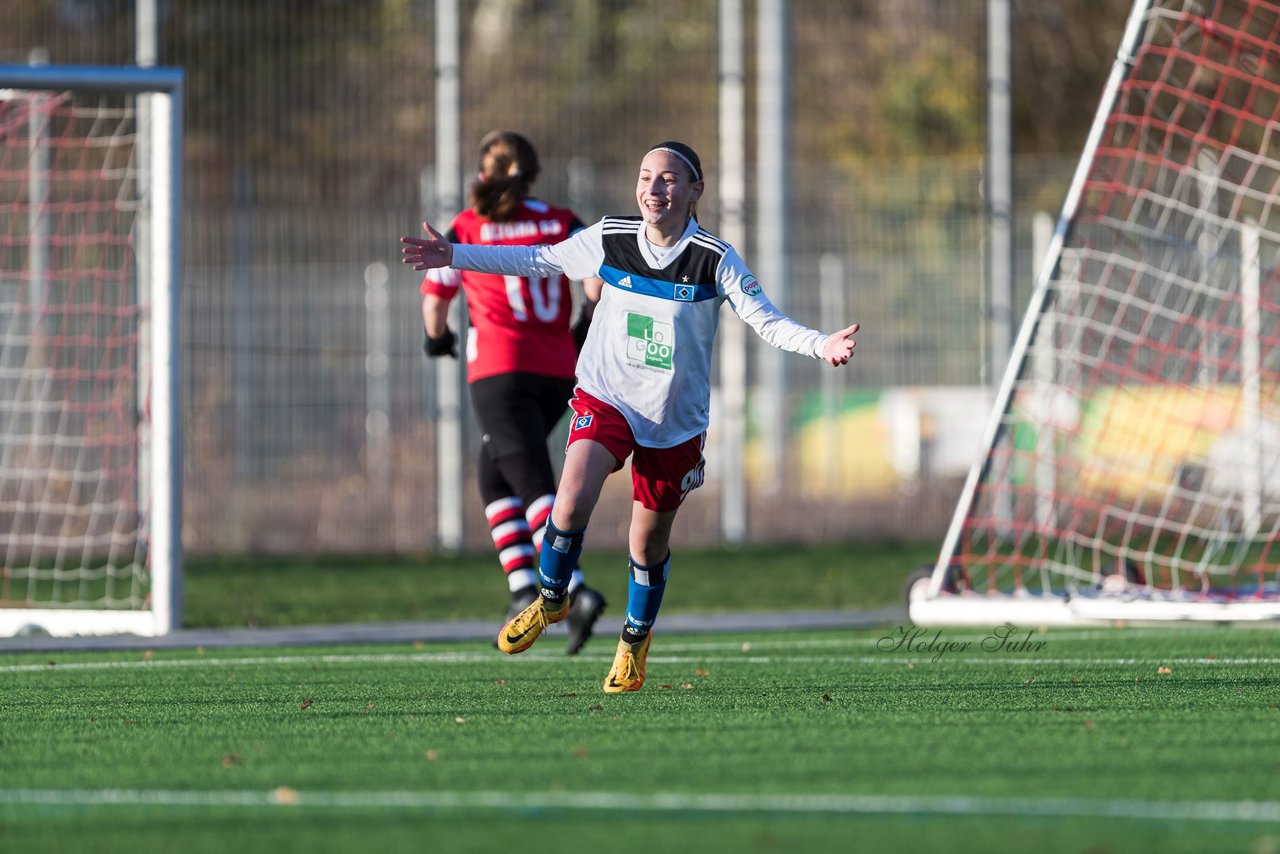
[537,514]
[510,532]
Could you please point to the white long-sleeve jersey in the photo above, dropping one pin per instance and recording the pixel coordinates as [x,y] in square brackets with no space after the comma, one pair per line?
[649,349]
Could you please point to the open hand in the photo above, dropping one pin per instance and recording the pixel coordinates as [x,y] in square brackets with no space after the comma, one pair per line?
[839,347]
[426,253]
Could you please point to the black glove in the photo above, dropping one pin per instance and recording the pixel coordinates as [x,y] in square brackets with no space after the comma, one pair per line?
[445,345]
[579,331]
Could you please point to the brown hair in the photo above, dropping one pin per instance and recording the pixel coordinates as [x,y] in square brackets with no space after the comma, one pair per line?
[690,159]
[685,153]
[508,168]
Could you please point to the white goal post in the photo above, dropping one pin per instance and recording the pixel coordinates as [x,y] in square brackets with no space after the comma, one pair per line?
[90,274]
[1131,465]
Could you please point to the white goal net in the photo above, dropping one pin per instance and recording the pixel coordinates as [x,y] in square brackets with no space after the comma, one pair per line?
[89,481]
[1132,463]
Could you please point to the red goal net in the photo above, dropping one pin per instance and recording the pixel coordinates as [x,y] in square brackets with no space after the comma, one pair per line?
[1132,465]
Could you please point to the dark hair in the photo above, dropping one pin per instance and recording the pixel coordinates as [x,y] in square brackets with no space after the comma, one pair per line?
[690,159]
[685,153]
[508,167]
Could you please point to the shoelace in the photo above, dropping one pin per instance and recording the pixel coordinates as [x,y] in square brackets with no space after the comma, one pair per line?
[628,669]
[542,616]
[533,619]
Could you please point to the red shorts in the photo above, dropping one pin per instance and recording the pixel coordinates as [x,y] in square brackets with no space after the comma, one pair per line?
[660,477]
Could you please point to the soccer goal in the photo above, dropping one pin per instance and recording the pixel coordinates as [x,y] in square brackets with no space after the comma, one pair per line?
[90,263]
[1131,465]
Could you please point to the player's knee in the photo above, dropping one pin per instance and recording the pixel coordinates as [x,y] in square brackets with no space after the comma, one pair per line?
[493,486]
[530,475]
[569,514]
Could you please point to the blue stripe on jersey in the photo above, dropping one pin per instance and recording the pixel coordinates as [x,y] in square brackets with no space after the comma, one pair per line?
[676,291]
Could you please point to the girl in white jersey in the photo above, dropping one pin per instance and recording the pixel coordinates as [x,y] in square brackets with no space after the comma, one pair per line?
[644,379]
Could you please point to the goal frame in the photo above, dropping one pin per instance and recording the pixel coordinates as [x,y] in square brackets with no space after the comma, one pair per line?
[935,599]
[162,134]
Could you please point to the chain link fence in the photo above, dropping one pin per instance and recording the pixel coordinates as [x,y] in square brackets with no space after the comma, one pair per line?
[309,408]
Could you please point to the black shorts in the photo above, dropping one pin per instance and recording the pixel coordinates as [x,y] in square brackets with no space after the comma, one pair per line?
[518,411]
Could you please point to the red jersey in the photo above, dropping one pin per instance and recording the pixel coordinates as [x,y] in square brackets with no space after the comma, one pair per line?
[517,323]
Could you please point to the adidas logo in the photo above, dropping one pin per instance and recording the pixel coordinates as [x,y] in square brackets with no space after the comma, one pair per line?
[624,282]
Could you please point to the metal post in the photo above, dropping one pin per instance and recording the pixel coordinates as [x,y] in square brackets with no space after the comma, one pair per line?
[30,327]
[1045,370]
[449,445]
[145,55]
[166,553]
[1208,244]
[999,184]
[377,364]
[733,332]
[146,27]
[999,187]
[244,315]
[1251,376]
[831,283]
[771,218]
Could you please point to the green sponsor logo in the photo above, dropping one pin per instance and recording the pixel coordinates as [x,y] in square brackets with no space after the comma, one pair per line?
[649,342]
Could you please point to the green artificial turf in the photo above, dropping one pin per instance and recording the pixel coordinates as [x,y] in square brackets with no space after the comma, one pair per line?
[280,591]
[1116,740]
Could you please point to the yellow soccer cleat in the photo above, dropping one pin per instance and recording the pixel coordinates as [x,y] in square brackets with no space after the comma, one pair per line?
[524,628]
[627,673]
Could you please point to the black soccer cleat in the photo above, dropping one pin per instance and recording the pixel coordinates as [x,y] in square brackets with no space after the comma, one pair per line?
[520,600]
[586,608]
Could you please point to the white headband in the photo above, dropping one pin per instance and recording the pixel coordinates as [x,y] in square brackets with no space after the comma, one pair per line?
[697,173]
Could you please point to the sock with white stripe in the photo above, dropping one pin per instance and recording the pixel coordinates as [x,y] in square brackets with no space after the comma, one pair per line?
[556,561]
[538,513]
[644,597]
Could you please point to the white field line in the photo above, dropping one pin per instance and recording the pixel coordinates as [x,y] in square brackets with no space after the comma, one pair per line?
[1223,811]
[888,658]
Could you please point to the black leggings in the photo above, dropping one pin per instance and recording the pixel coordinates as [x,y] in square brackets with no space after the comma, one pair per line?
[517,412]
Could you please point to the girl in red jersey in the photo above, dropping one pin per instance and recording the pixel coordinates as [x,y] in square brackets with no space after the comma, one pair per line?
[521,355]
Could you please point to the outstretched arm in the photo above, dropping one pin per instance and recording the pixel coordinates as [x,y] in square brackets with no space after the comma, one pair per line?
[435,250]
[426,253]
[839,347]
[748,300]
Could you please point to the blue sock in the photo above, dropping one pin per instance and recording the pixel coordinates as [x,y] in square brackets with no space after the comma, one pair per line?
[556,561]
[644,598]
